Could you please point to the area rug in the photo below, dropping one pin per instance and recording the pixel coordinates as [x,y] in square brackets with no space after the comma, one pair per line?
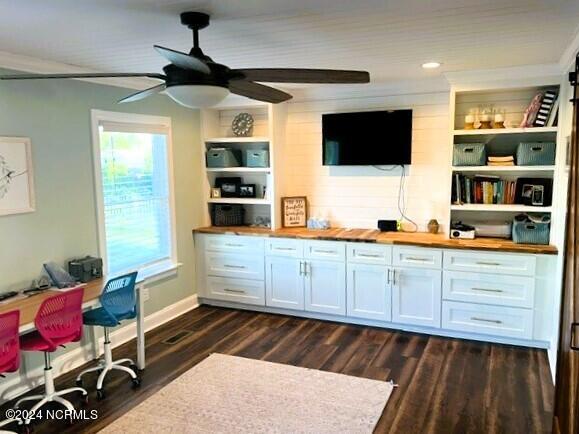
[228,394]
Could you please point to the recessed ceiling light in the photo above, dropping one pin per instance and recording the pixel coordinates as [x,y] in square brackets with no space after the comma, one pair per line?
[431,65]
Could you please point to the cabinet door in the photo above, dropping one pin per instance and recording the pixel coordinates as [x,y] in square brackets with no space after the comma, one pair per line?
[325,287]
[284,283]
[368,292]
[416,296]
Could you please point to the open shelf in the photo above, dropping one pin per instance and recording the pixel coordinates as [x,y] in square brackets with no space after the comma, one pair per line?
[499,207]
[237,140]
[240,200]
[505,170]
[239,169]
[500,131]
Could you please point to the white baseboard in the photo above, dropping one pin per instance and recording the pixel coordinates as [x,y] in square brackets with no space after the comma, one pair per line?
[27,379]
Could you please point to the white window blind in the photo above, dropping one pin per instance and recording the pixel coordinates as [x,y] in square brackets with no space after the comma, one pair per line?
[134,163]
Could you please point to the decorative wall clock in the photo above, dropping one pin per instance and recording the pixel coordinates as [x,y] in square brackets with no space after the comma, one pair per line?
[16,183]
[242,125]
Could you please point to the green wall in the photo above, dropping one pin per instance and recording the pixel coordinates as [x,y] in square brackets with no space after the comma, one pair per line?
[55,114]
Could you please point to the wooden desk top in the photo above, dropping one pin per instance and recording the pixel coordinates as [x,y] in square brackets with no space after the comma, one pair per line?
[29,306]
[422,239]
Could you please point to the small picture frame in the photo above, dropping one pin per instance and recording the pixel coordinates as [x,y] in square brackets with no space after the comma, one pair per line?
[294,211]
[247,190]
[229,186]
[534,191]
[215,193]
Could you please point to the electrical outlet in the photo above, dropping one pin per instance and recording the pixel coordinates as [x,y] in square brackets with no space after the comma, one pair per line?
[145,294]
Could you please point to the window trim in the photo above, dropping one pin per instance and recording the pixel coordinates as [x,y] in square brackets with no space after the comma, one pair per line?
[98,116]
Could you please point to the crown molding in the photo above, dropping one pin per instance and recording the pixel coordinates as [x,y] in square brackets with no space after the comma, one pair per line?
[17,62]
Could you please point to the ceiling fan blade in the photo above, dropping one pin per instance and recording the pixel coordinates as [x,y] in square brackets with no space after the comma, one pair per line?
[258,91]
[144,93]
[296,75]
[87,75]
[183,60]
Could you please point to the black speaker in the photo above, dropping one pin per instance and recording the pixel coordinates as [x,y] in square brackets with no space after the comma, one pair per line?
[388,225]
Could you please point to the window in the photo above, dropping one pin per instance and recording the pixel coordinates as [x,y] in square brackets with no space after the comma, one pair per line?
[134,192]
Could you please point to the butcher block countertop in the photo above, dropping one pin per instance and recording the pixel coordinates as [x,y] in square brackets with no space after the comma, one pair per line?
[422,239]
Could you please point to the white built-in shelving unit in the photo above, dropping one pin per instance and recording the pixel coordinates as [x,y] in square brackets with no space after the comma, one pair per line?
[268,133]
[514,101]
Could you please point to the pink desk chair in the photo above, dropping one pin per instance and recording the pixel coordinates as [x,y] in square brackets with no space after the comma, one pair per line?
[9,348]
[58,322]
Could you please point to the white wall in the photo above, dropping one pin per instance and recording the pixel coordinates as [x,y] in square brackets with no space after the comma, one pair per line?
[359,196]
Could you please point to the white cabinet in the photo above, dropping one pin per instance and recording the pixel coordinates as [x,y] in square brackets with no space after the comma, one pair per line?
[284,282]
[368,291]
[416,296]
[495,263]
[325,289]
[236,290]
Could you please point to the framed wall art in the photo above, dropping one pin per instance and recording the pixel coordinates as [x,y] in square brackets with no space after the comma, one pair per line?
[16,178]
[294,212]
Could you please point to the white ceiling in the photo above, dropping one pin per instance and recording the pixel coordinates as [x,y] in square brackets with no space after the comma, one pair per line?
[389,38]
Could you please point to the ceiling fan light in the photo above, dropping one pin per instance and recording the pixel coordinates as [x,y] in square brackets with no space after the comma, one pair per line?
[197,96]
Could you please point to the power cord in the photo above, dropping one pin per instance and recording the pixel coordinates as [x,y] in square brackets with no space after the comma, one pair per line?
[401,201]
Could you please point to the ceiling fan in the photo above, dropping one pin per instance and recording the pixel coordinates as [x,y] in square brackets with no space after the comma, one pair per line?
[195,80]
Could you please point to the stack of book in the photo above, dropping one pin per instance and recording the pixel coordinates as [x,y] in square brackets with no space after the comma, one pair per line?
[509,160]
[482,189]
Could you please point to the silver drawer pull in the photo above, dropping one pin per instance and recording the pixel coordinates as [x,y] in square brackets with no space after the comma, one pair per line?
[235,291]
[285,249]
[237,267]
[494,321]
[414,258]
[325,251]
[487,290]
[492,264]
[368,255]
[233,245]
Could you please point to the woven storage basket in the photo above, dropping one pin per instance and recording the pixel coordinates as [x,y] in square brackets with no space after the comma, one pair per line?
[228,215]
[536,154]
[527,232]
[469,154]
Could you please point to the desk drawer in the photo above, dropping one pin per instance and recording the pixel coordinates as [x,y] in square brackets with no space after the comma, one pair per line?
[496,263]
[289,248]
[489,289]
[416,257]
[236,290]
[326,250]
[234,265]
[367,253]
[490,320]
[233,244]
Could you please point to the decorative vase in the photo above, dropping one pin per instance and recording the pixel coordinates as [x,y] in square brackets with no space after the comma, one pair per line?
[433,226]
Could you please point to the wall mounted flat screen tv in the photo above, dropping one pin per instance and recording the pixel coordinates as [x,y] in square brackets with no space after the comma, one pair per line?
[367,138]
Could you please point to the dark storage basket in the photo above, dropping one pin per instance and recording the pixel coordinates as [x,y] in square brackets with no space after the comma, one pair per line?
[228,215]
[469,154]
[529,232]
[536,154]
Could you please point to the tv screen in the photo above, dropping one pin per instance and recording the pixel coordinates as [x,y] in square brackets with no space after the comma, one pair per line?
[367,138]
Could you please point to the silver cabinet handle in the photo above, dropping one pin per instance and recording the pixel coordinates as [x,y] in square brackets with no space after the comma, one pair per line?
[487,290]
[285,249]
[330,252]
[394,277]
[235,291]
[301,268]
[388,276]
[415,258]
[494,321]
[233,245]
[306,272]
[367,255]
[237,267]
[492,264]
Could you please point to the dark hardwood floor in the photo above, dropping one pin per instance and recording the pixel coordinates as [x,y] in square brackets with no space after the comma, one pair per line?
[445,385]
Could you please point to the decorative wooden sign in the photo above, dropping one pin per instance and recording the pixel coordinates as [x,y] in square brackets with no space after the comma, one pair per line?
[294,211]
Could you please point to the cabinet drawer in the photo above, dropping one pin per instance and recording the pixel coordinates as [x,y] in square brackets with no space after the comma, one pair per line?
[284,247]
[326,250]
[233,243]
[491,320]
[234,265]
[489,289]
[496,263]
[416,257]
[366,253]
[237,290]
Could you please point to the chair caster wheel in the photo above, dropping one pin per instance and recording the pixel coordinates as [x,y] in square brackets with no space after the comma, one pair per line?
[79,382]
[100,393]
[136,382]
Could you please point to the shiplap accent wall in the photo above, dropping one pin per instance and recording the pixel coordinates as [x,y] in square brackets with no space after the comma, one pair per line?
[357,197]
